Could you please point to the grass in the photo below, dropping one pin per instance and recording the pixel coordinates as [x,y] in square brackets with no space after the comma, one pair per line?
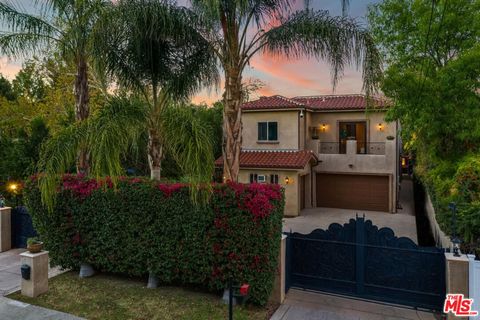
[113,297]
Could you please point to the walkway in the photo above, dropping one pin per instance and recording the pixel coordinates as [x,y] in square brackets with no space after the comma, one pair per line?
[15,310]
[304,305]
[402,223]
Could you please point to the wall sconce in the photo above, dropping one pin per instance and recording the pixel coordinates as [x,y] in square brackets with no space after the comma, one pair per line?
[380,126]
[13,187]
[323,127]
[288,180]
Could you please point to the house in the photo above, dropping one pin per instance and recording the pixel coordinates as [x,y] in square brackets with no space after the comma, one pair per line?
[334,151]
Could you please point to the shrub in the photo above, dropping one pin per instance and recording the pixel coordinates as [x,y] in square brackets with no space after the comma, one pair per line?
[141,226]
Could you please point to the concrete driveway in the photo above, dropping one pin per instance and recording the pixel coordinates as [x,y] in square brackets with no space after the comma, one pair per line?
[305,305]
[402,223]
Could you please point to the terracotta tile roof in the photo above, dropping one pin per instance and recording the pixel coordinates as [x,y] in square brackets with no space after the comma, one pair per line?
[273,102]
[315,103]
[273,159]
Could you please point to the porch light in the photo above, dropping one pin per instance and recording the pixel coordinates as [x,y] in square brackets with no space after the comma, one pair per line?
[380,126]
[324,127]
[13,187]
[287,180]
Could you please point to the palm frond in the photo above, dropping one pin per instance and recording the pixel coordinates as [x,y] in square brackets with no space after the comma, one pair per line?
[189,140]
[57,156]
[340,41]
[22,26]
[114,132]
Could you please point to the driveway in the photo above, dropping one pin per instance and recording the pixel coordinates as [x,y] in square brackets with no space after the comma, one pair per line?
[305,305]
[402,223]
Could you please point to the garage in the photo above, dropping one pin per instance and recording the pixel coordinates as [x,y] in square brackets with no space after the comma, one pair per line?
[362,192]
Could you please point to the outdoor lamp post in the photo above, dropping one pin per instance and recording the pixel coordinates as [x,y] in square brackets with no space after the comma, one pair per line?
[242,292]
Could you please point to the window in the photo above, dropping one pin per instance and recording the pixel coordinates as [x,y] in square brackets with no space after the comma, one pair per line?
[274,178]
[267,131]
[253,177]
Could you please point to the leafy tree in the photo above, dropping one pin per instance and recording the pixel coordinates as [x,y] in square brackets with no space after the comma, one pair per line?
[433,57]
[6,90]
[65,24]
[237,30]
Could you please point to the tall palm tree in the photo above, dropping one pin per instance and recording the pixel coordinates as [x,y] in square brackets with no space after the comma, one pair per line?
[65,24]
[237,30]
[149,48]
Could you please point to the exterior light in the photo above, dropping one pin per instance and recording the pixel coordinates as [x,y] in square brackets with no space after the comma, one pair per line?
[13,187]
[287,180]
[324,127]
[380,126]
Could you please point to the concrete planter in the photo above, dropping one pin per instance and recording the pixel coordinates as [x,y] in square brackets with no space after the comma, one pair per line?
[86,270]
[474,281]
[152,281]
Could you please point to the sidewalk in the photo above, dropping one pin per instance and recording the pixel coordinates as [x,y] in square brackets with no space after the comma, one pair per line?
[15,310]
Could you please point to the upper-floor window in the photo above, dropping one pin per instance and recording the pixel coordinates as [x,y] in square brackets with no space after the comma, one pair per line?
[268,131]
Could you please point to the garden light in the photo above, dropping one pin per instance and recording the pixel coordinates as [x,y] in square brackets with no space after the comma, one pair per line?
[13,187]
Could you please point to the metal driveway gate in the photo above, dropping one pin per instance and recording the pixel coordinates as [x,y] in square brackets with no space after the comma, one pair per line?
[360,260]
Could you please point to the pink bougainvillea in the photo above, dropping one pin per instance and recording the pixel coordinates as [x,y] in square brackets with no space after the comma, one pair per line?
[170,188]
[79,185]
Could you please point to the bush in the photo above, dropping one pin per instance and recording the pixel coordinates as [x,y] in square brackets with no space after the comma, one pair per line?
[141,226]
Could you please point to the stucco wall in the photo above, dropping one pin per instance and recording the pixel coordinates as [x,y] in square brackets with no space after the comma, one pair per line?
[292,191]
[441,239]
[288,125]
[332,119]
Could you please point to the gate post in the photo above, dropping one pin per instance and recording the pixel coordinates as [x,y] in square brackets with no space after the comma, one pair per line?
[456,270]
[360,254]
[279,287]
[5,229]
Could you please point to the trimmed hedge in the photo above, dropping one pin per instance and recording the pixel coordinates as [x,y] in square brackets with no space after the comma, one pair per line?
[142,226]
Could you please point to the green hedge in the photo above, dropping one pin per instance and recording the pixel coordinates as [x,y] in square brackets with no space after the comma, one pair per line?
[140,226]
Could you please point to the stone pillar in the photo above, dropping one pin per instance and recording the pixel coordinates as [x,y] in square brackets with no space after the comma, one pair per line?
[457,276]
[5,229]
[278,294]
[474,281]
[38,282]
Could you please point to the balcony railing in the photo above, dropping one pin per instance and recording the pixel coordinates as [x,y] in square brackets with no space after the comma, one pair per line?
[329,147]
[377,148]
[362,147]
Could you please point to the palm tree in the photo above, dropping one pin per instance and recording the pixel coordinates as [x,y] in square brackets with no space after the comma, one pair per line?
[237,30]
[64,24]
[148,47]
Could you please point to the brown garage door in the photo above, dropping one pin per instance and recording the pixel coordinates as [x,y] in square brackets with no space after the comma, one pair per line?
[352,192]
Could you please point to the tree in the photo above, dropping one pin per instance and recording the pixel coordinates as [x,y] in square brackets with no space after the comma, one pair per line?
[148,47]
[237,30]
[6,90]
[65,24]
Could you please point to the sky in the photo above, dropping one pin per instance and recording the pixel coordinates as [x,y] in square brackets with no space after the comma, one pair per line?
[279,75]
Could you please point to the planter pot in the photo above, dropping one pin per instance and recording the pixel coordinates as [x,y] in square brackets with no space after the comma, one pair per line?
[86,270]
[35,247]
[152,281]
[225,297]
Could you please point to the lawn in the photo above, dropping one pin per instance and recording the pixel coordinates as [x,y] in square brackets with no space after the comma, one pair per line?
[113,297]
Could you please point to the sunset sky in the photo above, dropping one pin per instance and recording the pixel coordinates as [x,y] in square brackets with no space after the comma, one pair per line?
[280,76]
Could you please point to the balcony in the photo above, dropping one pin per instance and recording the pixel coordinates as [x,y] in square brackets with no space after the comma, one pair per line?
[358,147]
[355,156]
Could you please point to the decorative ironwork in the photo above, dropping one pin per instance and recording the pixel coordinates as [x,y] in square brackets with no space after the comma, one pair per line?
[360,259]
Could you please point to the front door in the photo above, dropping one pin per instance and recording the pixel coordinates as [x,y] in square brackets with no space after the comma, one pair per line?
[353,131]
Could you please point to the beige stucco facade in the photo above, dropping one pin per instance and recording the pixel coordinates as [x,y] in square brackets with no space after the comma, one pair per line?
[288,123]
[296,132]
[292,189]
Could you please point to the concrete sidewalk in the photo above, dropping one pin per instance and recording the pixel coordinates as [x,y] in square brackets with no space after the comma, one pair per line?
[305,305]
[15,310]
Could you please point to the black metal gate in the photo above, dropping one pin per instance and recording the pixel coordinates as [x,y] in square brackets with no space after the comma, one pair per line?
[361,260]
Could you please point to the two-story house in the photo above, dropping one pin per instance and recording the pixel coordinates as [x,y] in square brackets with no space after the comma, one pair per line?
[326,151]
